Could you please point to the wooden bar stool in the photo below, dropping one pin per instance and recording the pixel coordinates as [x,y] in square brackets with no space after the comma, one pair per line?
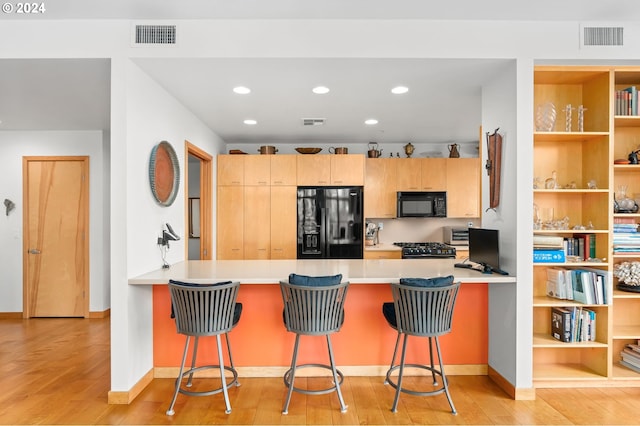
[421,307]
[205,310]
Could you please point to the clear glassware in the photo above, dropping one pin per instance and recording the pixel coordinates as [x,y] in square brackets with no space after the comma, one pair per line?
[545,117]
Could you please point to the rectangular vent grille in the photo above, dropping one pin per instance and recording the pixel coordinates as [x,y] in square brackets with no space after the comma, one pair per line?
[155,34]
[313,121]
[603,36]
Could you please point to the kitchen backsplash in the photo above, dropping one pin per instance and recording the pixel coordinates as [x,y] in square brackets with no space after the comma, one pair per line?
[416,229]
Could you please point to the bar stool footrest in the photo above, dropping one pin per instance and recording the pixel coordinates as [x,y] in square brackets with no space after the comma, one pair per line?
[434,370]
[287,380]
[233,382]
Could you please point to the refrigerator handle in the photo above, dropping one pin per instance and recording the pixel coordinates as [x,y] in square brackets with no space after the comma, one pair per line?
[324,233]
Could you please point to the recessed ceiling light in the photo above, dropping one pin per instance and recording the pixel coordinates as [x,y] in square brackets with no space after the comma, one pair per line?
[241,90]
[398,90]
[320,90]
[250,122]
[371,121]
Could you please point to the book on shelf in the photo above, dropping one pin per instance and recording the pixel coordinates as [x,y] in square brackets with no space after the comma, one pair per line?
[624,220]
[630,359]
[549,242]
[588,244]
[583,285]
[630,366]
[561,324]
[548,256]
[632,104]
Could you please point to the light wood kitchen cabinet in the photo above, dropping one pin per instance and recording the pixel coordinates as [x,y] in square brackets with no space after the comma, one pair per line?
[383,254]
[433,174]
[347,169]
[463,187]
[231,169]
[380,188]
[284,208]
[313,169]
[462,254]
[230,223]
[409,174]
[257,169]
[257,222]
[283,169]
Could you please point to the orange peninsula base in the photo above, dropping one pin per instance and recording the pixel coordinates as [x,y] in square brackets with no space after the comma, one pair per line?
[260,339]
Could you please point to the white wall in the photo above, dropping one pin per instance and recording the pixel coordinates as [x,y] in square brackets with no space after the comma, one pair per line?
[13,146]
[152,116]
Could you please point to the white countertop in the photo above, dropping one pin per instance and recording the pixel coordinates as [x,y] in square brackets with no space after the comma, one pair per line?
[358,271]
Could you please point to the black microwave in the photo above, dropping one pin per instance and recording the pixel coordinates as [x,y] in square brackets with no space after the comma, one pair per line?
[422,204]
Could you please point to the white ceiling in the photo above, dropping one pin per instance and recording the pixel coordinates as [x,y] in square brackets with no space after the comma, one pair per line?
[547,10]
[443,104]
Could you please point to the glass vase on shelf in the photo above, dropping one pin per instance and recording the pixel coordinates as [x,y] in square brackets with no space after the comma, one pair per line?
[545,117]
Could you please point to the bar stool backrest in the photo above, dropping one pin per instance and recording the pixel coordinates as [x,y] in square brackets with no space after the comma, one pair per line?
[313,310]
[204,309]
[424,311]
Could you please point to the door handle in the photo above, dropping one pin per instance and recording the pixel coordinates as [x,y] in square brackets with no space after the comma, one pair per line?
[34,251]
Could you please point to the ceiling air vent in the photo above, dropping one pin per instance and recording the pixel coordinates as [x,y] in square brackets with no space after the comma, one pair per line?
[313,121]
[155,34]
[602,36]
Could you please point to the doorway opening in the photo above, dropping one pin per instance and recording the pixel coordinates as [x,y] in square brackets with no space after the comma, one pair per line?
[198,200]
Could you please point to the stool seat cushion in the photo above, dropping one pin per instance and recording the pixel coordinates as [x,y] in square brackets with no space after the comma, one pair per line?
[428,282]
[306,280]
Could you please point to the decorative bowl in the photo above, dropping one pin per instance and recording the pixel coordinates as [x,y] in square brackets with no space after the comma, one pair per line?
[308,150]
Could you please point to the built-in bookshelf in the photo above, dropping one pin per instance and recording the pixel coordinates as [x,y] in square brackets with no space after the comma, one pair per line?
[625,328]
[572,197]
[584,166]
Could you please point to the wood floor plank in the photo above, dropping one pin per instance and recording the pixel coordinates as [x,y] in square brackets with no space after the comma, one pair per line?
[57,371]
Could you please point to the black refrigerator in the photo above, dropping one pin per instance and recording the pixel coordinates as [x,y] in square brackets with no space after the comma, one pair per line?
[330,222]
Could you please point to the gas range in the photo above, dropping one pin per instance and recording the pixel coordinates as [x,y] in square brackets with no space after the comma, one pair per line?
[426,250]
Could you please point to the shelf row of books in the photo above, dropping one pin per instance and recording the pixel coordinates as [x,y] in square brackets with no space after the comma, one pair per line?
[626,239]
[581,285]
[573,324]
[630,355]
[626,101]
[556,249]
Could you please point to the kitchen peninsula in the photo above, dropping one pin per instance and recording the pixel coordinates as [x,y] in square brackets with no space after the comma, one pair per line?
[364,345]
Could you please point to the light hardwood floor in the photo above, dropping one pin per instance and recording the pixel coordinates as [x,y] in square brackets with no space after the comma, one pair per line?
[56,371]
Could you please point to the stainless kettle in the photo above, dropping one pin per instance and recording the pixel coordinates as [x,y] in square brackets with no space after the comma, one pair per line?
[373,150]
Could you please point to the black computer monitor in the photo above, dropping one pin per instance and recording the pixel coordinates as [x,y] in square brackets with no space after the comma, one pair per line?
[483,248]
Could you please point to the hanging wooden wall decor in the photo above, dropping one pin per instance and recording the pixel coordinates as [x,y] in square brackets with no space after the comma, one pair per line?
[494,166]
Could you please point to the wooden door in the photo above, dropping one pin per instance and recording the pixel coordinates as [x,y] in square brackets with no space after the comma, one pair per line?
[56,236]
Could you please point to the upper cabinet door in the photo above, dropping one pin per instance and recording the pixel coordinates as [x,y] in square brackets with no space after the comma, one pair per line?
[257,170]
[409,174]
[463,187]
[434,174]
[347,169]
[380,197]
[231,169]
[283,169]
[313,169]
